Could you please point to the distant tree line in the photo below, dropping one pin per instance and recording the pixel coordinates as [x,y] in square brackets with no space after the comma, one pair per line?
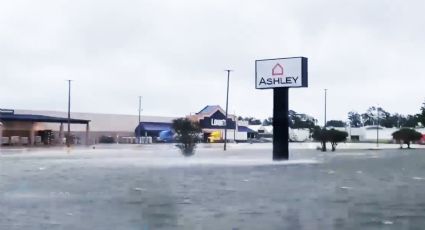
[295,120]
[378,115]
[372,116]
[250,120]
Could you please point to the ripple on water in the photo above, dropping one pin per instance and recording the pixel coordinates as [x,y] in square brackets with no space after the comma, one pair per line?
[387,222]
[418,178]
[222,162]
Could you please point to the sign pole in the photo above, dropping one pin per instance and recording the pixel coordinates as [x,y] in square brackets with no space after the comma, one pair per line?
[280,74]
[280,124]
[227,107]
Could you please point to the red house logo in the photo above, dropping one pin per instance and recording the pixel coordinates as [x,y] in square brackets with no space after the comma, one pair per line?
[277,70]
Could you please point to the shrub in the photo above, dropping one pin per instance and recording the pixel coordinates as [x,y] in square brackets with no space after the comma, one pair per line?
[333,136]
[406,135]
[187,134]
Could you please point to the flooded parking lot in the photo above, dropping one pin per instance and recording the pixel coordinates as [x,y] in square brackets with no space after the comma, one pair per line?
[155,187]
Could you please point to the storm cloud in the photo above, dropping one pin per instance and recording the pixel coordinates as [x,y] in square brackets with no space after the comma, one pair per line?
[174,53]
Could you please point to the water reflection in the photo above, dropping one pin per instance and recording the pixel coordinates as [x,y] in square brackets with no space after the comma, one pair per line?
[187,150]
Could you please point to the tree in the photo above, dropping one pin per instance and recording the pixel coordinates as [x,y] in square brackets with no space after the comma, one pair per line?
[355,119]
[252,121]
[378,116]
[321,136]
[406,135]
[300,121]
[336,136]
[369,116]
[421,116]
[384,118]
[332,135]
[411,121]
[335,123]
[268,121]
[187,134]
[397,120]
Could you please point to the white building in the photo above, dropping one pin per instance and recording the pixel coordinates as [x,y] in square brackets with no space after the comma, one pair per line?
[372,133]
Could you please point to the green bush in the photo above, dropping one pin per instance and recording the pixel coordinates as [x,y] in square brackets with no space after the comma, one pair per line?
[332,135]
[406,136]
[187,134]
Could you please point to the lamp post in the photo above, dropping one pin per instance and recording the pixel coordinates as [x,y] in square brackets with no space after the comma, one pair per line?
[68,137]
[1,129]
[326,92]
[236,127]
[227,107]
[1,132]
[377,127]
[139,134]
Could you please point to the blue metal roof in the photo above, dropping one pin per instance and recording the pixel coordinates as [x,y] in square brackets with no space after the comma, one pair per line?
[245,129]
[153,126]
[39,118]
[208,109]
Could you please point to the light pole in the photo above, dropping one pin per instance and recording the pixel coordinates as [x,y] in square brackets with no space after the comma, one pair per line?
[1,130]
[377,127]
[326,92]
[236,127]
[68,137]
[139,134]
[227,107]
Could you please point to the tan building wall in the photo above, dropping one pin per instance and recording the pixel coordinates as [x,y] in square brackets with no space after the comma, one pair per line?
[114,125]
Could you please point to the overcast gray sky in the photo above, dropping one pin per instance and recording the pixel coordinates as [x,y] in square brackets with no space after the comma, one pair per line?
[174,54]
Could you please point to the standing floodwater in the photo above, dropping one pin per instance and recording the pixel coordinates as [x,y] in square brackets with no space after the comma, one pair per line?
[155,187]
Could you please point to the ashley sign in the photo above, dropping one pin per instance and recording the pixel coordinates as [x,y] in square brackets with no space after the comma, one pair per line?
[281,72]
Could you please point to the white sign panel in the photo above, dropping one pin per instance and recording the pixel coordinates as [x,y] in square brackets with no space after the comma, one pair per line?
[281,72]
[218,122]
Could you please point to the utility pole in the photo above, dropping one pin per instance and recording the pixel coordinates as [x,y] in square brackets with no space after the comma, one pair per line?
[227,107]
[326,92]
[377,127]
[1,130]
[68,138]
[236,127]
[139,134]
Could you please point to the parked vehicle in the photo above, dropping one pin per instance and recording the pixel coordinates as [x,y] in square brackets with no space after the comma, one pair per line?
[166,136]
[215,137]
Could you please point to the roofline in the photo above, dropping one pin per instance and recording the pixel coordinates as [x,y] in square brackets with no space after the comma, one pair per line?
[41,118]
[91,113]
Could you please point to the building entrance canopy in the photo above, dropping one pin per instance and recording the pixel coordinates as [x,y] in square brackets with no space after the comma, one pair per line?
[11,116]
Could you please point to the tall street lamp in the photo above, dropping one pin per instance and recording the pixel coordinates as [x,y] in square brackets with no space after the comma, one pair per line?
[227,107]
[139,134]
[326,92]
[236,127]
[68,138]
[377,127]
